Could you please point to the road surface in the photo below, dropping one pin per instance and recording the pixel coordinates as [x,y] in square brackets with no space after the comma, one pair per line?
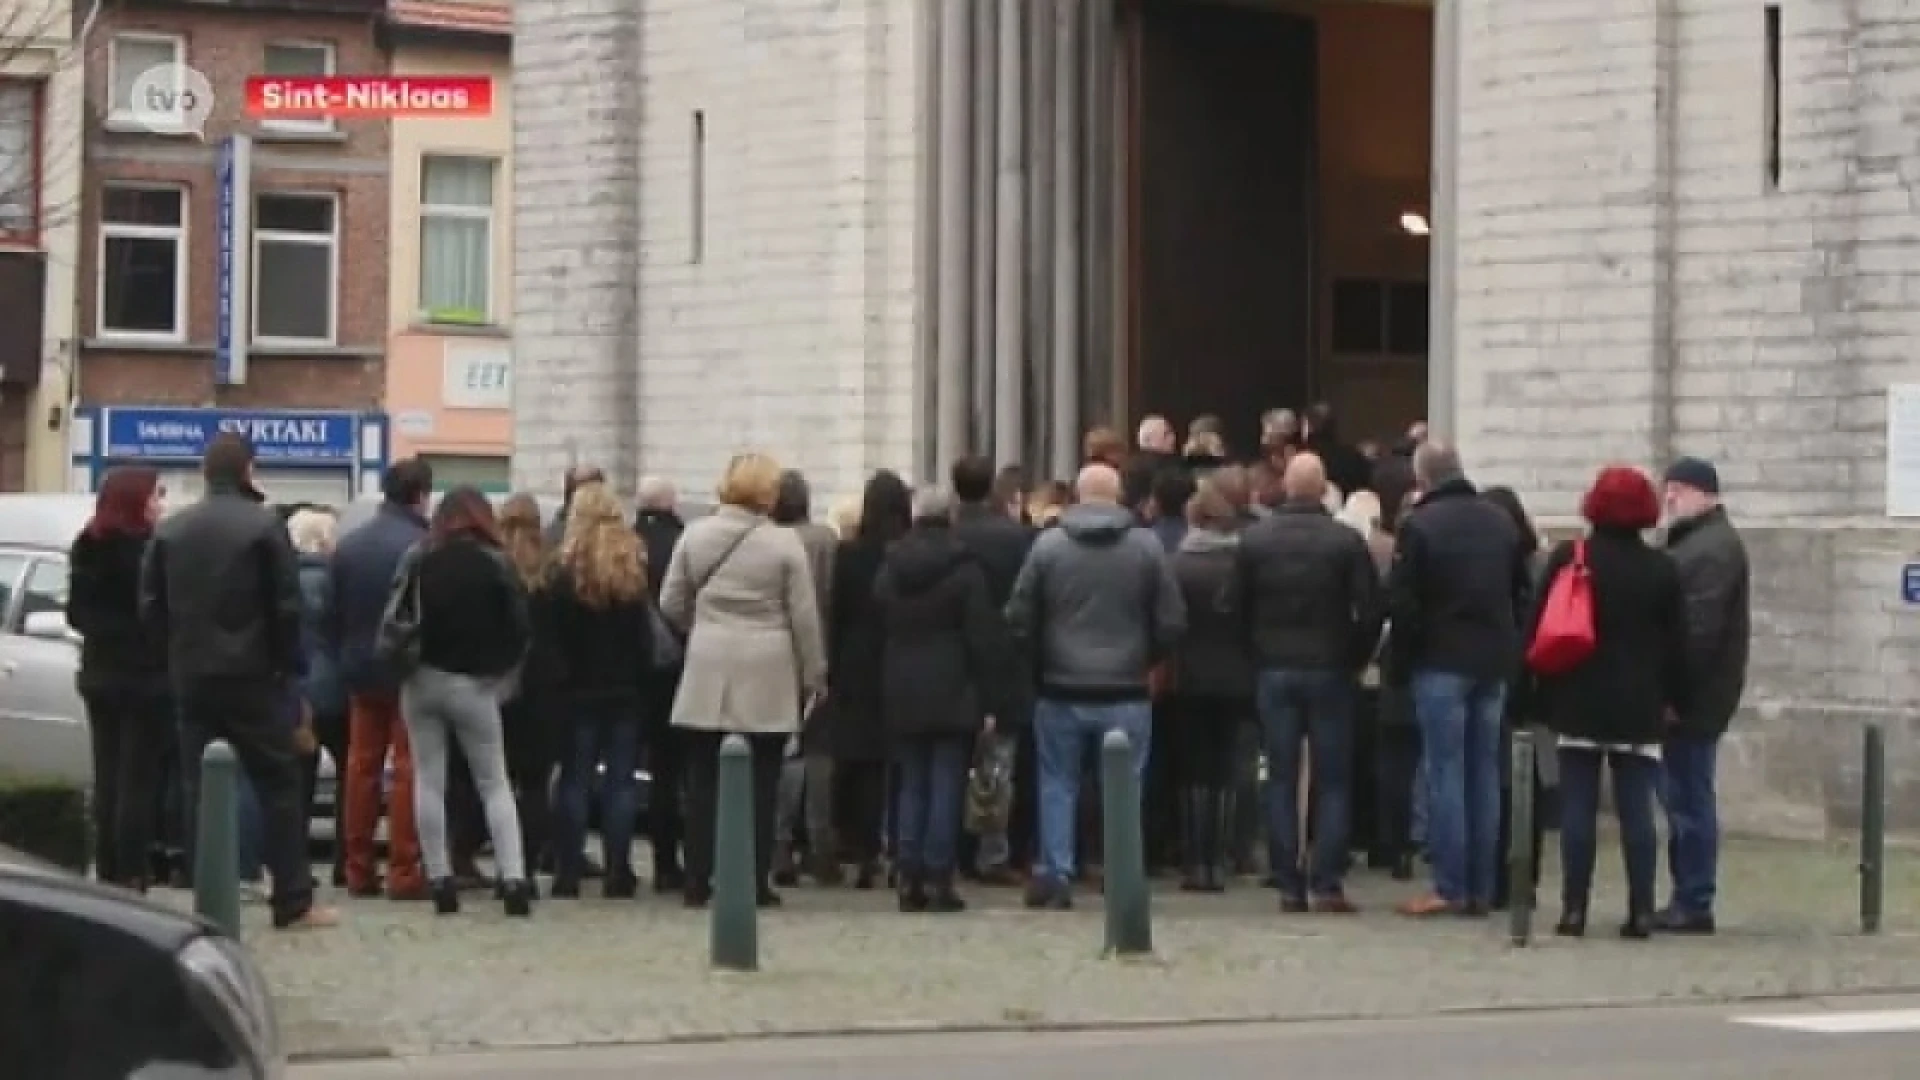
[1859,1039]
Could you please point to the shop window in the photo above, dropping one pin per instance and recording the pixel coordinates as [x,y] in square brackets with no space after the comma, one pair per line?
[143,262]
[456,239]
[296,258]
[128,58]
[299,59]
[1379,318]
[21,120]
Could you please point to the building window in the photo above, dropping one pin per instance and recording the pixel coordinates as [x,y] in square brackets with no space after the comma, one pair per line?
[130,57]
[300,59]
[1379,318]
[296,281]
[456,239]
[20,150]
[143,263]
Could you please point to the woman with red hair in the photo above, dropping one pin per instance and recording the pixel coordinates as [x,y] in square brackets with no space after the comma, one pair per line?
[1612,707]
[122,673]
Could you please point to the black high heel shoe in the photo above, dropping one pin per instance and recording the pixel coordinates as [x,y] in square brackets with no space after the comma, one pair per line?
[1638,927]
[517,898]
[1572,924]
[446,896]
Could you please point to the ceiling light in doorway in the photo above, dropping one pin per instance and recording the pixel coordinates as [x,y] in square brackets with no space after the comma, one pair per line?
[1414,223]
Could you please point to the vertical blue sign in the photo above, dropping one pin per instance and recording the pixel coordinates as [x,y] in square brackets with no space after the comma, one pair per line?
[233,176]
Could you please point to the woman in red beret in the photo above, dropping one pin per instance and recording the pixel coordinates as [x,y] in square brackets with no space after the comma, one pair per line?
[1613,705]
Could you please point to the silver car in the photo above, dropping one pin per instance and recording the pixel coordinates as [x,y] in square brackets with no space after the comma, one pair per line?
[43,724]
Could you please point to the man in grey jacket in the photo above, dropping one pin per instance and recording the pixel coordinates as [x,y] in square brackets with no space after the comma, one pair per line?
[1095,607]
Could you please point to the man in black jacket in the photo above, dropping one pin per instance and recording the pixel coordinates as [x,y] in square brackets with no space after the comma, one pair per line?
[988,531]
[1456,594]
[1715,577]
[220,584]
[1311,595]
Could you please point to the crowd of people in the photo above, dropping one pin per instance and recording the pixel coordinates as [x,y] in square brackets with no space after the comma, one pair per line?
[1323,647]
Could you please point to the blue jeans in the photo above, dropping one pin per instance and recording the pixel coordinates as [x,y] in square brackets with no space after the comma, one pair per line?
[1460,748]
[1314,708]
[1063,734]
[609,732]
[932,775]
[1635,780]
[1690,766]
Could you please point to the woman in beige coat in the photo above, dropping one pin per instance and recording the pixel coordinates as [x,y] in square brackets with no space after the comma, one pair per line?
[742,589]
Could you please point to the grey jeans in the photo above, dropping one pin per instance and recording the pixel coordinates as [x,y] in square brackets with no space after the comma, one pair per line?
[439,707]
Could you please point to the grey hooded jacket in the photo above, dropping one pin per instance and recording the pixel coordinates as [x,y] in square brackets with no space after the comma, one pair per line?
[1096,605]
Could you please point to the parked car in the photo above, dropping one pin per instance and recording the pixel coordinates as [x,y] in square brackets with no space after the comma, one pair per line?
[99,982]
[43,724]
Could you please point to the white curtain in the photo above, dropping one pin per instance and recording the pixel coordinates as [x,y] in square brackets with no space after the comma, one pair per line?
[19,199]
[456,233]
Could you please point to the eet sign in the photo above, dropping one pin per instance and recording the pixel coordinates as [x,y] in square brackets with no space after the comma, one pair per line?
[477,378]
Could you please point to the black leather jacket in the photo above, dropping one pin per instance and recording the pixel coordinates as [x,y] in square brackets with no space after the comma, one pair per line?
[221,585]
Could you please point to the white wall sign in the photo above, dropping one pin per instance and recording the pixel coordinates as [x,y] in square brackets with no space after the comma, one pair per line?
[1903,450]
[479,375]
[414,423]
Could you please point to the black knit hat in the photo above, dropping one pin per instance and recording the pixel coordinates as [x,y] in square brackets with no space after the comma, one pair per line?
[1696,473]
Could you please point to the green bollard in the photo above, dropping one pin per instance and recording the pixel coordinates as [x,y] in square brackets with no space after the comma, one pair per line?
[216,848]
[1129,908]
[735,940]
[1520,869]
[1873,829]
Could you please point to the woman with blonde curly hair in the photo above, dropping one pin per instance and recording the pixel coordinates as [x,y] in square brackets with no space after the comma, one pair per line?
[598,608]
[531,716]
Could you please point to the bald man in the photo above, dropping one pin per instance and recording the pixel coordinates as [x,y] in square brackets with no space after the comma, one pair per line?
[1314,607]
[1154,452]
[1096,608]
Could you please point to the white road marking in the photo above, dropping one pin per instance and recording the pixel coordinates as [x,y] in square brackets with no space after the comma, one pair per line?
[1881,1022]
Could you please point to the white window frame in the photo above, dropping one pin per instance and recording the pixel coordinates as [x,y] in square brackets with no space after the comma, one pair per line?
[116,113]
[34,165]
[302,125]
[486,214]
[176,233]
[330,241]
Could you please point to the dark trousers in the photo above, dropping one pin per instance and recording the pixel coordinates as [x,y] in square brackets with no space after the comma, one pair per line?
[1396,758]
[531,756]
[703,789]
[1204,733]
[250,714]
[331,733]
[666,764]
[1160,798]
[932,777]
[1689,765]
[130,726]
[1023,823]
[605,730]
[860,803]
[1634,781]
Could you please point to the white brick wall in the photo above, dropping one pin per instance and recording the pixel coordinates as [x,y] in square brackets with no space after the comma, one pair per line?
[792,333]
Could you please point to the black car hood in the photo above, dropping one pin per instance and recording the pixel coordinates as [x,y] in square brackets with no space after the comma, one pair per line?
[24,880]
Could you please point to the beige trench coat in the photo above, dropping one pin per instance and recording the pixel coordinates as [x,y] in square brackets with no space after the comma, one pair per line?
[756,647]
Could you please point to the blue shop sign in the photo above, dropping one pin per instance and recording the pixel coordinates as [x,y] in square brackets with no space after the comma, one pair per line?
[296,438]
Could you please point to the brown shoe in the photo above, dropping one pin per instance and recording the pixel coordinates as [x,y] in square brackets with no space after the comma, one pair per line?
[314,918]
[409,893]
[1426,906]
[1334,904]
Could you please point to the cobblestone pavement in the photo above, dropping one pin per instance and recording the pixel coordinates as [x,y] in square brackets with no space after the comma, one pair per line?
[395,979]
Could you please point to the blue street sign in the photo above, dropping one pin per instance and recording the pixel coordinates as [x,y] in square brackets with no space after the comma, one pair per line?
[278,437]
[1910,583]
[233,231]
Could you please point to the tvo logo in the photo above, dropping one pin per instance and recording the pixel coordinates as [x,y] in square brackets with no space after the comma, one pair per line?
[170,99]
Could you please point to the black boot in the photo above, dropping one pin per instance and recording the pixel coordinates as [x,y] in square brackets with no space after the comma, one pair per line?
[1218,829]
[913,891]
[517,898]
[942,898]
[1573,918]
[446,896]
[1195,812]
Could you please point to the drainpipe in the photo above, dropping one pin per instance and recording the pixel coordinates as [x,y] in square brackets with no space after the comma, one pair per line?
[926,233]
[986,147]
[1010,284]
[1442,221]
[1068,137]
[1040,83]
[955,315]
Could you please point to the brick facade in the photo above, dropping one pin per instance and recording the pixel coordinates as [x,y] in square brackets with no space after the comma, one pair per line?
[228,48]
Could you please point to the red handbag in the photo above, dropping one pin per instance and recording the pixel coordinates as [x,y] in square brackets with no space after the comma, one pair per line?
[1565,637]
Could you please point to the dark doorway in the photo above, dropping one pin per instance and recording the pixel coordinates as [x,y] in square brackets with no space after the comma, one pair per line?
[1224,163]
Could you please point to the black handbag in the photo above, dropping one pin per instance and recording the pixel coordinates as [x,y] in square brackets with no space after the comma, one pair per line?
[396,645]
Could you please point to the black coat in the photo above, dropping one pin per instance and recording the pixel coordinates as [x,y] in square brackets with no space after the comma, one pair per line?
[660,530]
[474,618]
[1620,694]
[1459,588]
[103,604]
[1310,591]
[944,662]
[1213,660]
[600,652]
[852,723]
[220,583]
[1715,578]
